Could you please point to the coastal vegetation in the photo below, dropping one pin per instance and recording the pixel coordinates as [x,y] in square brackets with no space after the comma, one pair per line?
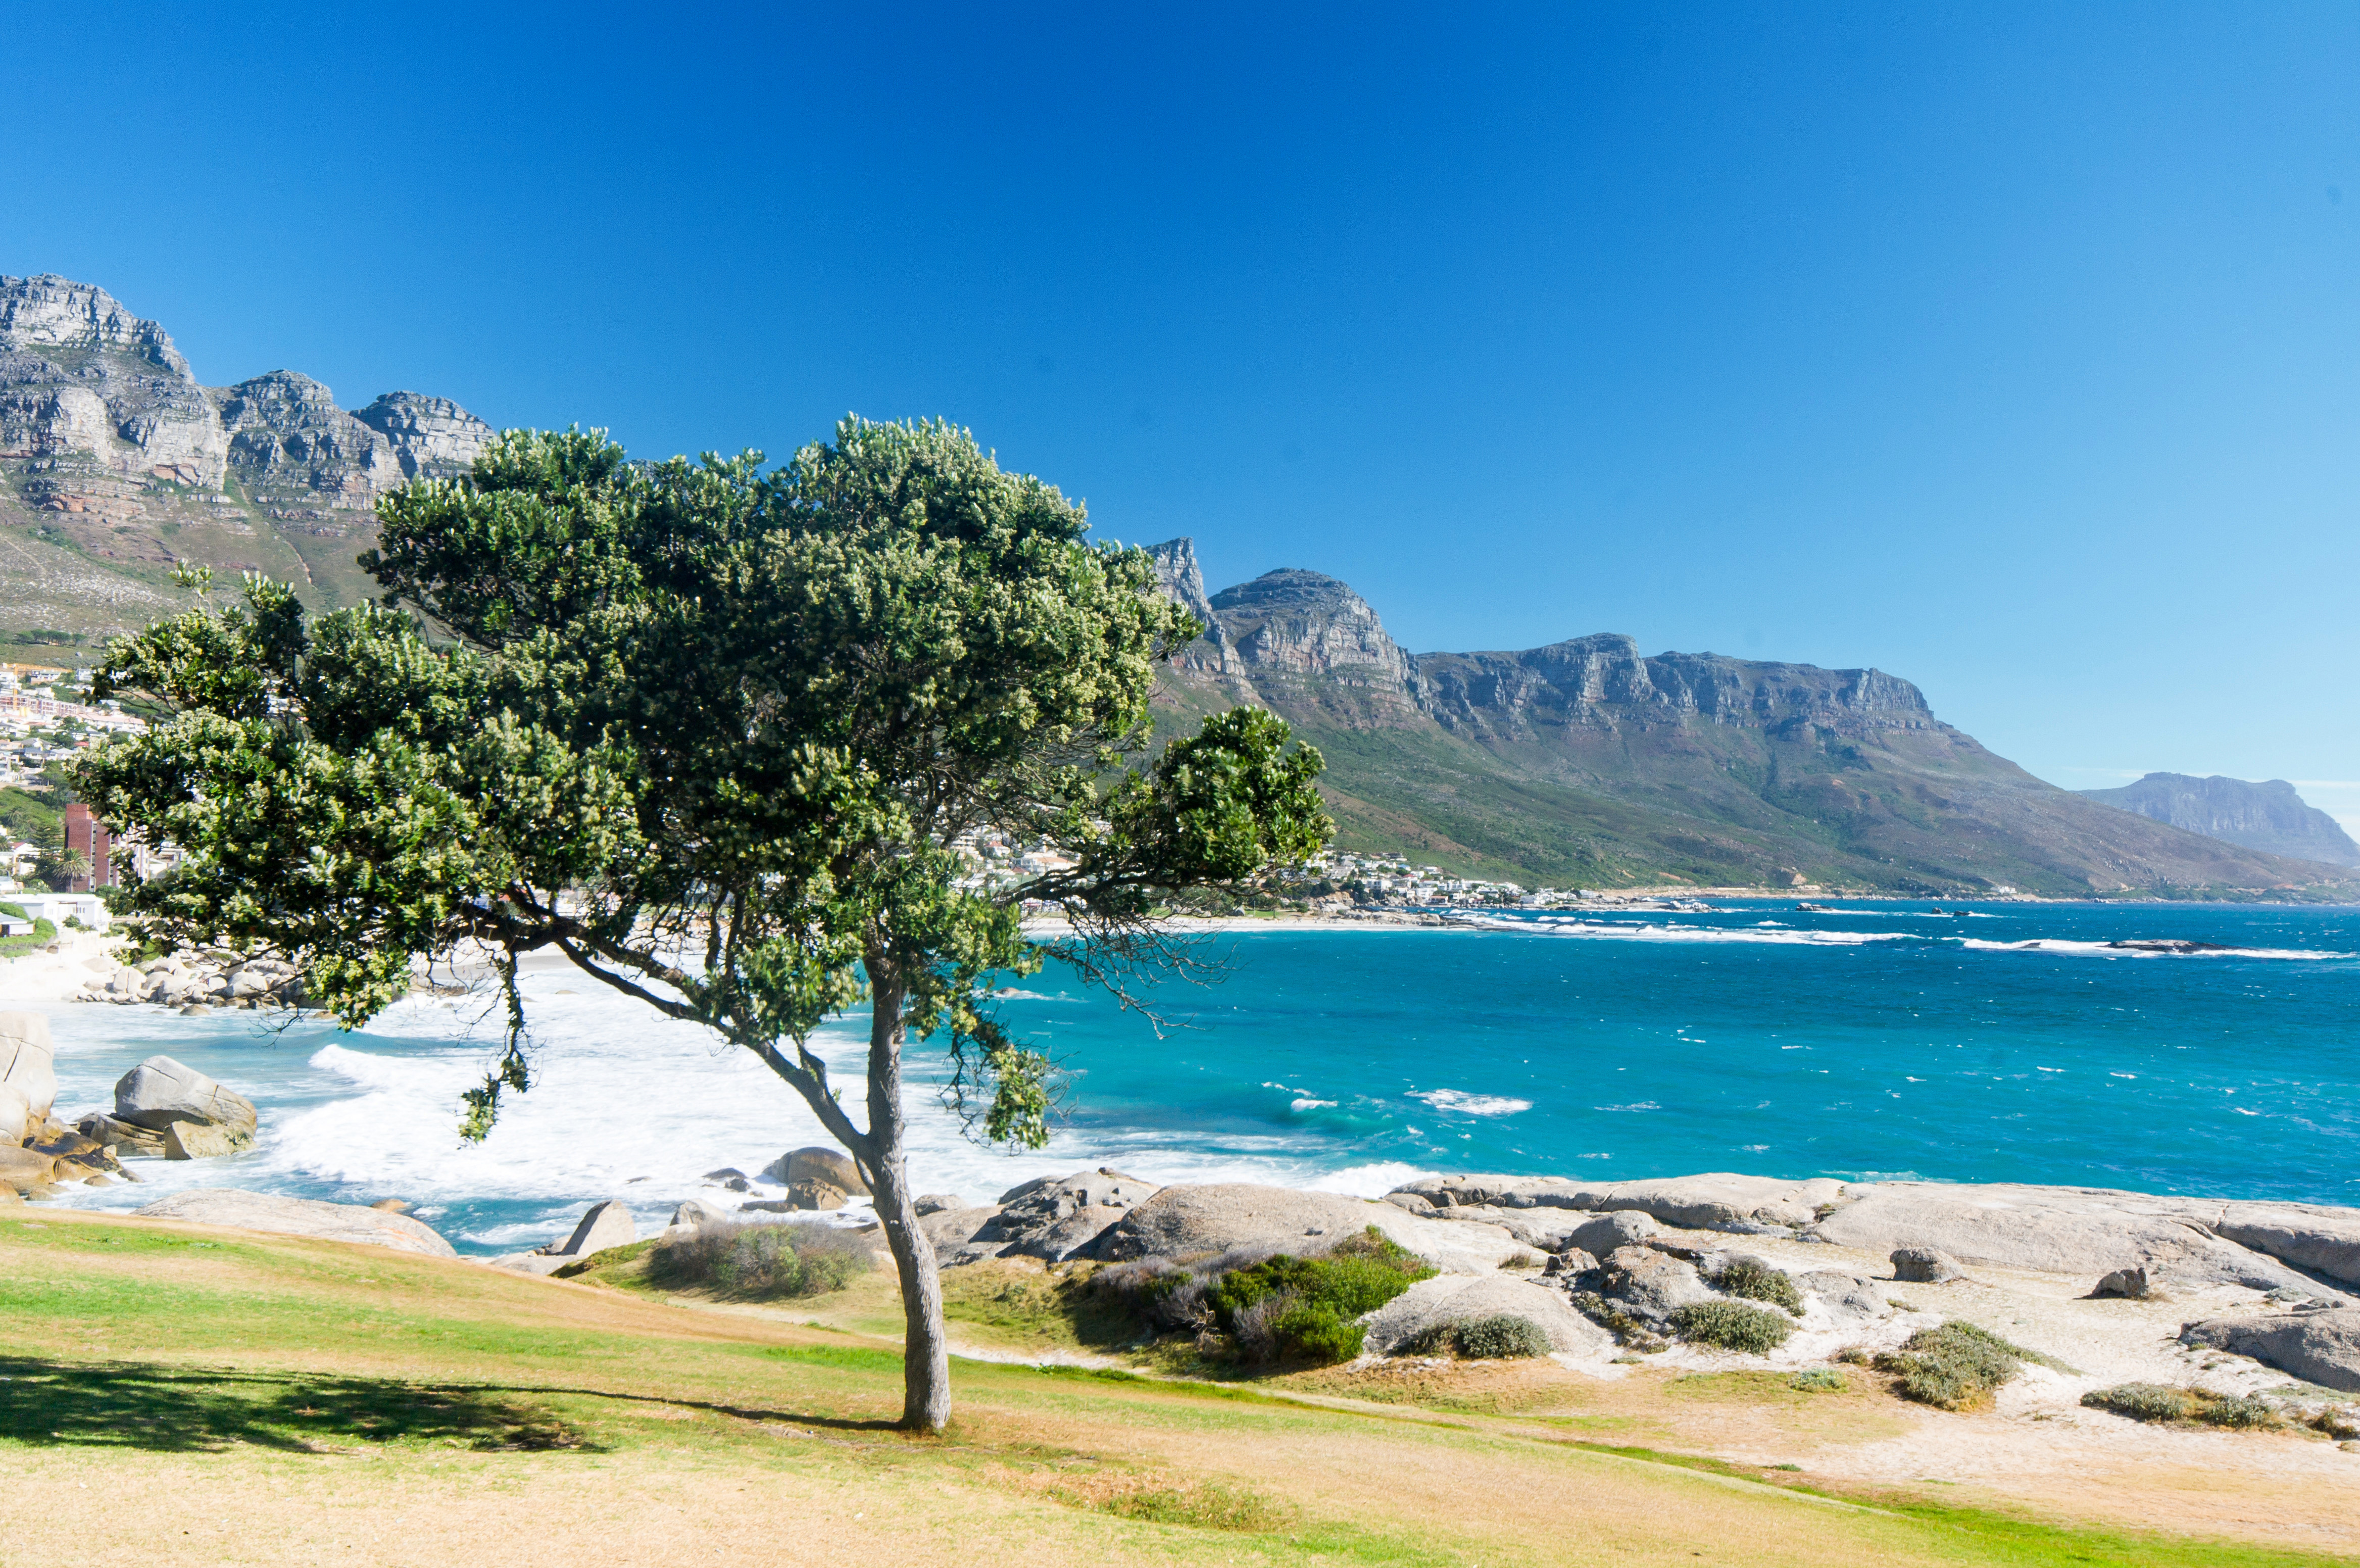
[1732,1325]
[2160,1402]
[799,1258]
[218,1374]
[1956,1365]
[711,734]
[1497,1337]
[1260,1309]
[1757,1281]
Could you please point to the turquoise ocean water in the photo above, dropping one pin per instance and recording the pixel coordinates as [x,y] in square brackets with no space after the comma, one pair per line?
[2010,1042]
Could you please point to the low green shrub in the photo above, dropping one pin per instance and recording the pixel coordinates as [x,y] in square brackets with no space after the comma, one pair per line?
[1303,1309]
[2240,1412]
[1264,1308]
[1956,1365]
[1498,1338]
[1501,1337]
[1732,1325]
[1757,1281]
[2143,1401]
[1821,1380]
[2160,1402]
[797,1259]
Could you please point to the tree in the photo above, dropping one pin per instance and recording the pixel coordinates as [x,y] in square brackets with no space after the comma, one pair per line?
[57,867]
[714,736]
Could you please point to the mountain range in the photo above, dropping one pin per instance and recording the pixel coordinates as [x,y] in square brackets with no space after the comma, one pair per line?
[1587,763]
[1580,763]
[117,465]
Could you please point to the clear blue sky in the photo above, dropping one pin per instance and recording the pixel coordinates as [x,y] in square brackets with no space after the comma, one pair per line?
[2015,349]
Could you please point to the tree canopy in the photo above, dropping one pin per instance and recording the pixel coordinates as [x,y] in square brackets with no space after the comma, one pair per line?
[716,735]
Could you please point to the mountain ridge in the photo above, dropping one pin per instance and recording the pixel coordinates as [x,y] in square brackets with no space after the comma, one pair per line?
[1585,762]
[2268,816]
[117,465]
[1581,762]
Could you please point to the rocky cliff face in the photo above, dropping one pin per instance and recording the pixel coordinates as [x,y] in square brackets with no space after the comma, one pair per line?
[1603,682]
[97,390]
[2269,816]
[1302,639]
[297,454]
[1212,654]
[116,465]
[433,438]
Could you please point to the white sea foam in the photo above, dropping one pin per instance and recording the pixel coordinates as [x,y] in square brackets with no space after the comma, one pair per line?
[1372,1180]
[1650,931]
[1309,1104]
[624,1103]
[2109,950]
[1466,1104]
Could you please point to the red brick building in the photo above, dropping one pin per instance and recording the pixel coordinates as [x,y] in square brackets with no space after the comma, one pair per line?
[86,836]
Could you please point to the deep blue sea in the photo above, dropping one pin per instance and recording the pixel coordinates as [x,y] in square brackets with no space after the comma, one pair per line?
[2008,1043]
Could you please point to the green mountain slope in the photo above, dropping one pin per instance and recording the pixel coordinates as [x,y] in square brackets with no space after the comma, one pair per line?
[1584,764]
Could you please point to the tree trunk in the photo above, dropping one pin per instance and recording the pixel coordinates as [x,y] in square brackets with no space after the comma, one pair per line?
[925,1355]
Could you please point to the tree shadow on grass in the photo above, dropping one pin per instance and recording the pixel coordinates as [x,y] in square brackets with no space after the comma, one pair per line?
[194,1410]
[198,1409]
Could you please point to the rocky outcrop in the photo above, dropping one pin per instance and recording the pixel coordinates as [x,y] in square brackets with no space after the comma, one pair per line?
[28,1077]
[601,1226]
[696,1213]
[952,1232]
[303,458]
[161,1094]
[1603,682]
[1308,623]
[1648,1286]
[1925,1266]
[207,977]
[1214,653]
[433,438]
[2317,1347]
[2095,1230]
[818,1164]
[1412,1318]
[121,461]
[233,1210]
[1056,1217]
[2270,815]
[2322,1240]
[66,347]
[1847,1301]
[1191,1222]
[1720,1200]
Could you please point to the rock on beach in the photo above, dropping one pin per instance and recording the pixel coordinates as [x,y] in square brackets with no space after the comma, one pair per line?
[2095,1230]
[2317,1347]
[1715,1200]
[233,1210]
[28,1076]
[161,1092]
